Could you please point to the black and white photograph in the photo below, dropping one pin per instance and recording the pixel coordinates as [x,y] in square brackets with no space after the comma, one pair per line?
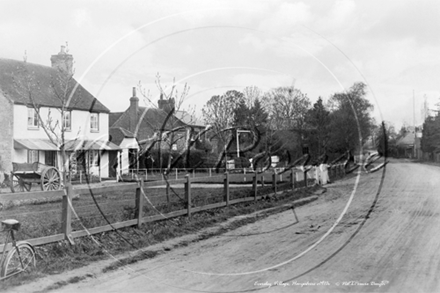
[219,146]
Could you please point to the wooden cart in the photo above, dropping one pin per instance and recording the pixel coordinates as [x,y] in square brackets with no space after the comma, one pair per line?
[24,174]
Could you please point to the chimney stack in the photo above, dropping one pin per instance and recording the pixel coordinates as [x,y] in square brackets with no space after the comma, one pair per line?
[133,111]
[166,105]
[63,61]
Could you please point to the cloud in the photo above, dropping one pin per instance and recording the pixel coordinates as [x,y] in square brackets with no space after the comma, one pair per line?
[341,12]
[263,81]
[81,17]
[286,18]
[416,20]
[394,44]
[299,44]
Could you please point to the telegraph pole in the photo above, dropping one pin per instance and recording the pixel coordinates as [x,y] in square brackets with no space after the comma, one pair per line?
[414,122]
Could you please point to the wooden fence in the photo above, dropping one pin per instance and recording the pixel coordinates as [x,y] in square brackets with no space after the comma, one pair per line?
[140,187]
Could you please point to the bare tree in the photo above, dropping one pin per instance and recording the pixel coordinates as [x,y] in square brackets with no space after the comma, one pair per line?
[177,127]
[252,93]
[62,88]
[287,107]
[219,112]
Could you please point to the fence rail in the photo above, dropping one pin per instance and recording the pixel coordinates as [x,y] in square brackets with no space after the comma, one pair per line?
[141,191]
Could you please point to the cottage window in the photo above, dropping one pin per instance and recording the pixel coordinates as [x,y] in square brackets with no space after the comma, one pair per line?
[50,158]
[67,121]
[94,122]
[32,118]
[93,158]
[33,156]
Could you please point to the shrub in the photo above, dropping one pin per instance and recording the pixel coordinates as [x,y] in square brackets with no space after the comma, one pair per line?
[196,158]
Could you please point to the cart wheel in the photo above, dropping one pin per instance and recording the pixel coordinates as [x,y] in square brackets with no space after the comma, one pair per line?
[50,179]
[18,185]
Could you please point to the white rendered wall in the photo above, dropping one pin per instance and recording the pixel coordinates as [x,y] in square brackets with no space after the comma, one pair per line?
[80,129]
[127,143]
[80,126]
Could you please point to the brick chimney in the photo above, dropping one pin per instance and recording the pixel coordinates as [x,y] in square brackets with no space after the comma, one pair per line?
[133,111]
[63,61]
[166,105]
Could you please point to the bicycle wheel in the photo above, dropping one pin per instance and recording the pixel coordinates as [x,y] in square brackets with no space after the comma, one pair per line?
[18,260]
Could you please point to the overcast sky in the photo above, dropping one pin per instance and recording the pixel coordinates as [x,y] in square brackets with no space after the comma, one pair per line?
[321,47]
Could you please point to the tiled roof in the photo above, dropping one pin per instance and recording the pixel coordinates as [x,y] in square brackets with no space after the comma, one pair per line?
[113,117]
[407,140]
[151,120]
[17,76]
[117,134]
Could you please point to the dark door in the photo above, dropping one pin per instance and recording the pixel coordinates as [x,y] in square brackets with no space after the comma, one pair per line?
[113,163]
[133,159]
[50,158]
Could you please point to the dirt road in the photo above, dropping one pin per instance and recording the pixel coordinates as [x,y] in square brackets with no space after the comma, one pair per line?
[387,241]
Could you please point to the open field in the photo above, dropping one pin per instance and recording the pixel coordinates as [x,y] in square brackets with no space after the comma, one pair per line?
[94,209]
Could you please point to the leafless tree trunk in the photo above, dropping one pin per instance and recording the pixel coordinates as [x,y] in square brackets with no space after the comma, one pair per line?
[63,87]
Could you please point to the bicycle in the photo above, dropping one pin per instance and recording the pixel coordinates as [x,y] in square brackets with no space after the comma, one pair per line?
[18,257]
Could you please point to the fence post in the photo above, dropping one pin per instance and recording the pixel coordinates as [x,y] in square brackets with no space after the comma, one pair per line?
[274,182]
[305,178]
[66,214]
[139,202]
[292,179]
[210,175]
[188,193]
[254,186]
[226,188]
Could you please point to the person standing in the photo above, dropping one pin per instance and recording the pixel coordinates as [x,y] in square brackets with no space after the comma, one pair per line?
[323,168]
[317,174]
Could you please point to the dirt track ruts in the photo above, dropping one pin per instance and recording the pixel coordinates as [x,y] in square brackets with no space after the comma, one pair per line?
[386,242]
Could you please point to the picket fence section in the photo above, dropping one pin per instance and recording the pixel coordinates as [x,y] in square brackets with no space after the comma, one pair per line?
[140,188]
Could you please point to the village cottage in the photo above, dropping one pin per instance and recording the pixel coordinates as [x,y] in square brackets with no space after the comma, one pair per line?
[26,88]
[135,129]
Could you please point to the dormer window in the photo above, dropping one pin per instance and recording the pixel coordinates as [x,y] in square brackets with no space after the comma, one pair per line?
[32,121]
[94,122]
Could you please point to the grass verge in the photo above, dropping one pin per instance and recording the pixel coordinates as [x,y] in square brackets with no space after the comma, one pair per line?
[60,257]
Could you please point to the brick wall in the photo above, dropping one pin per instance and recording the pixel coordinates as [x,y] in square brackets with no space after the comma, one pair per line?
[6,135]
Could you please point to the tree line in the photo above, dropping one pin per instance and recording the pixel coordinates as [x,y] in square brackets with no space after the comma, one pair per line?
[430,142]
[288,123]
